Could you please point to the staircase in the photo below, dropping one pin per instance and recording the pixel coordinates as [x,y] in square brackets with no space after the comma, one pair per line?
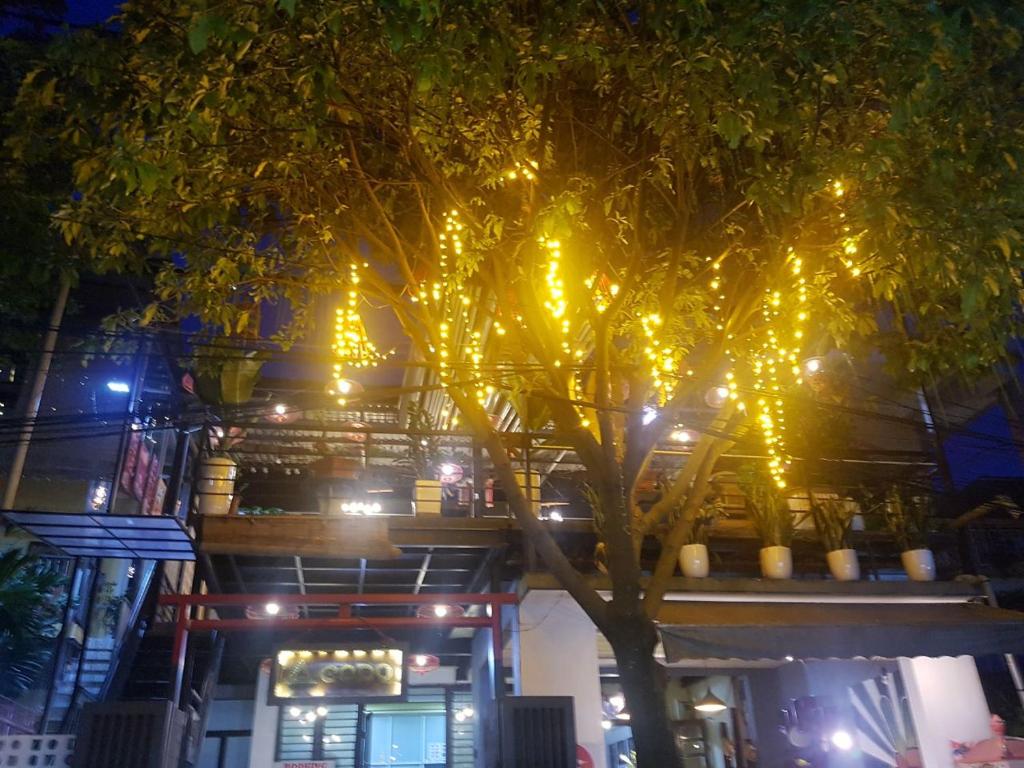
[96,661]
[150,677]
[97,658]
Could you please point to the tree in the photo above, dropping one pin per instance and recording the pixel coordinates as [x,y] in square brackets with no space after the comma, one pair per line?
[32,187]
[30,619]
[609,209]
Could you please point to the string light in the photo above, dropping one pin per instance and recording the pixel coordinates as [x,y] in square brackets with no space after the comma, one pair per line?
[352,346]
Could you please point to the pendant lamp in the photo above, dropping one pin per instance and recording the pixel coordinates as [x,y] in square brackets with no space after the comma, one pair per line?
[710,703]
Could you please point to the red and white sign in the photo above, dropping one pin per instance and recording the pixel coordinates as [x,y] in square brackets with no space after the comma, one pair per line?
[583,758]
[305,764]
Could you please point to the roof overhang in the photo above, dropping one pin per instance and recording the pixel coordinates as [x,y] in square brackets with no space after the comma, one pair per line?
[737,621]
[150,537]
[755,631]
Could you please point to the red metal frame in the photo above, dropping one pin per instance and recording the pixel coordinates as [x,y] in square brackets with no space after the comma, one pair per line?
[184,623]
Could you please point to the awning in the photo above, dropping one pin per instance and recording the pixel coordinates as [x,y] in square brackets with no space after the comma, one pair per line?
[755,631]
[151,537]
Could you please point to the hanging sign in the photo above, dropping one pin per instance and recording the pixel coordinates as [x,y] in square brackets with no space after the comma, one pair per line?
[338,675]
[305,764]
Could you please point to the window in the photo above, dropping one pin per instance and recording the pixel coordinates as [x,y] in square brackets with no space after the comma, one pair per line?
[318,733]
[414,740]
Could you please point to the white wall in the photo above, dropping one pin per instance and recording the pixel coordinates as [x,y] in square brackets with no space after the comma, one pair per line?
[264,723]
[558,657]
[948,703]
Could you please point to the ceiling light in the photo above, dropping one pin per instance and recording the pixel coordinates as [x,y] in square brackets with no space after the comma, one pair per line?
[322,711]
[682,436]
[555,515]
[842,740]
[716,396]
[272,609]
[119,387]
[813,364]
[606,724]
[710,704]
[789,658]
[449,469]
[440,611]
[649,414]
[618,702]
[294,711]
[420,660]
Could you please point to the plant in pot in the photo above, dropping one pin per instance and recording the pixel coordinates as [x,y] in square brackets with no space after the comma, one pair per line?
[832,519]
[769,513]
[223,377]
[906,518]
[422,456]
[694,559]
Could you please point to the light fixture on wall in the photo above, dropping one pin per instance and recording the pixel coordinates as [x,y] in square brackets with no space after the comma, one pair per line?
[710,704]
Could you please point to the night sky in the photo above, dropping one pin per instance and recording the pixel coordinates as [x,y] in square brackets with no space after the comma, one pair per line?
[90,11]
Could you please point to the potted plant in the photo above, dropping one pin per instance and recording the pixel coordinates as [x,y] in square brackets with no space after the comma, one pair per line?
[422,456]
[906,517]
[694,559]
[223,377]
[832,519]
[770,515]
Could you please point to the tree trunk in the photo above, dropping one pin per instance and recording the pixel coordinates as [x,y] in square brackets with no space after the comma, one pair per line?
[643,682]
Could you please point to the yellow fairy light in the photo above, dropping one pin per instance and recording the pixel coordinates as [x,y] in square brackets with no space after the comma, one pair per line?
[352,346]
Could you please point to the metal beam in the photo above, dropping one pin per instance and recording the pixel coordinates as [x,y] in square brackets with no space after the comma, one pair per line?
[302,583]
[422,572]
[362,576]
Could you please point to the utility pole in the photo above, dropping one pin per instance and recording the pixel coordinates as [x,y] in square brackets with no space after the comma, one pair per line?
[36,395]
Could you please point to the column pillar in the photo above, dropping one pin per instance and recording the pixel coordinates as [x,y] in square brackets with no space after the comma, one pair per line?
[947,703]
[558,657]
[264,723]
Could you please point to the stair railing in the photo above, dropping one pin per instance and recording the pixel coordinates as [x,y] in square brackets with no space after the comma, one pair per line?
[198,705]
[142,610]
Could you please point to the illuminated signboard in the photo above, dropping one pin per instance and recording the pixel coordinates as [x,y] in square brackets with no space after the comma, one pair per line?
[351,674]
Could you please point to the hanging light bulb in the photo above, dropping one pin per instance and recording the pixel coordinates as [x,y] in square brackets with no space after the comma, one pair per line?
[710,704]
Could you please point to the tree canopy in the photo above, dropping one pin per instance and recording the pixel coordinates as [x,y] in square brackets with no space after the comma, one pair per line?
[608,209]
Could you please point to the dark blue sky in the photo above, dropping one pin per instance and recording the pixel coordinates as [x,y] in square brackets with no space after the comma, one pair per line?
[90,11]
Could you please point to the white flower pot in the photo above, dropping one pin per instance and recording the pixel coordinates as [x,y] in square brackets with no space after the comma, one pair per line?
[919,564]
[843,564]
[776,562]
[216,485]
[694,561]
[427,499]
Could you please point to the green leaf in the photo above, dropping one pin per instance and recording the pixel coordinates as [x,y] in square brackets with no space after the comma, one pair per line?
[199,34]
[148,175]
[288,6]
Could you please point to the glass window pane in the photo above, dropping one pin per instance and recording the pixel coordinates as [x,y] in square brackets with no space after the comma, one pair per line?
[296,734]
[407,740]
[380,740]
